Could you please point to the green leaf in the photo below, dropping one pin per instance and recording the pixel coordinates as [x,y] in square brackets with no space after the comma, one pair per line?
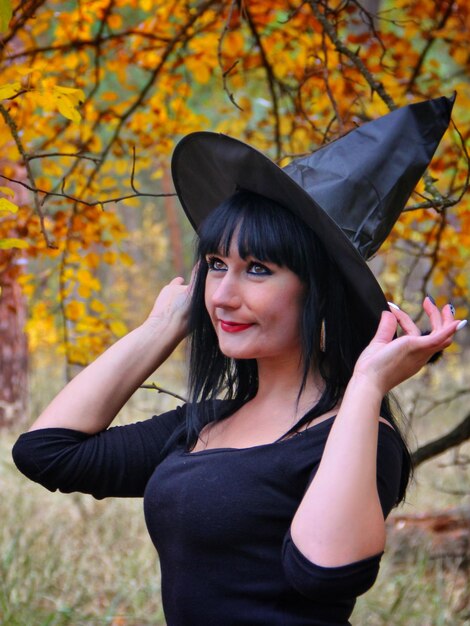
[5,14]
[6,244]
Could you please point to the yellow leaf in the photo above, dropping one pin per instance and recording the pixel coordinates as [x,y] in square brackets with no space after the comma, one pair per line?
[92,259]
[7,191]
[9,207]
[118,328]
[84,291]
[76,96]
[9,90]
[66,107]
[25,71]
[126,259]
[6,244]
[97,306]
[74,310]
[109,257]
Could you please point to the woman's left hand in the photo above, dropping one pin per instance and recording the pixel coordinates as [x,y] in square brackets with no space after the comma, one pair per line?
[387,362]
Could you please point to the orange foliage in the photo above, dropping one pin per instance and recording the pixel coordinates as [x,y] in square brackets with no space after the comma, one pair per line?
[84,84]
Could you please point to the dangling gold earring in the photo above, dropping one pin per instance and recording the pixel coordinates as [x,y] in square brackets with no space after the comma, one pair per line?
[322,336]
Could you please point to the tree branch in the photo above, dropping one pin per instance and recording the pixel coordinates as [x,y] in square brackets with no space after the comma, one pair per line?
[429,43]
[455,437]
[375,85]
[47,194]
[271,82]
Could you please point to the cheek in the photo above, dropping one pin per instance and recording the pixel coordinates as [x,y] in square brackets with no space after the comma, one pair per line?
[207,299]
[208,294]
[291,307]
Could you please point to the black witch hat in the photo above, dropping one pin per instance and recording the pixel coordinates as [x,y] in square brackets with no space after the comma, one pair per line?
[350,192]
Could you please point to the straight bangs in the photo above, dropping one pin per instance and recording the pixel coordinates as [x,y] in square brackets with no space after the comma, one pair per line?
[263,229]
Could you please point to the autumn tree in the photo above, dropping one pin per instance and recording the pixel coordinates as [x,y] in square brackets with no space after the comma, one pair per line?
[95,94]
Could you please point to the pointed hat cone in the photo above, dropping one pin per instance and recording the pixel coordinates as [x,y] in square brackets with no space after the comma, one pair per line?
[350,192]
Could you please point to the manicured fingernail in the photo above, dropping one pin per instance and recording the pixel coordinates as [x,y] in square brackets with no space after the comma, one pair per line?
[394,306]
[461,325]
[452,308]
[431,299]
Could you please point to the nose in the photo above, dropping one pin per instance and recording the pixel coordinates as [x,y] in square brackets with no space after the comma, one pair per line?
[226,293]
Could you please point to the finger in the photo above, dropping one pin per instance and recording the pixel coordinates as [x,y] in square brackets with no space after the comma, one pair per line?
[179,280]
[448,313]
[441,338]
[404,320]
[432,311]
[387,328]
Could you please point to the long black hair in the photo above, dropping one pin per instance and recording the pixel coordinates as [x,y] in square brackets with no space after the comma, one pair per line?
[268,232]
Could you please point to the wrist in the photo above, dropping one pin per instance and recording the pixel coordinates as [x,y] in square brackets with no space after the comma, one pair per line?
[164,330]
[365,386]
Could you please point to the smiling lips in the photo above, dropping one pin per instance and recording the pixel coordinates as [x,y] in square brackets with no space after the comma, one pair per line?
[233,327]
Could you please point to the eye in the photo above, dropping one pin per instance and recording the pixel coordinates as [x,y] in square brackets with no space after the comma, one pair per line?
[258,269]
[215,265]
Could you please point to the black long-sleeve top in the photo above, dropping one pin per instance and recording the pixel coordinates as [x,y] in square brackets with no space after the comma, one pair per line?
[219,518]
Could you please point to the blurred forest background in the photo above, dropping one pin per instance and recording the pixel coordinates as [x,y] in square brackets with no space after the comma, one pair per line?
[94,94]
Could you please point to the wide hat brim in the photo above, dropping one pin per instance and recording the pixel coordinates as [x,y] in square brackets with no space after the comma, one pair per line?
[208,168]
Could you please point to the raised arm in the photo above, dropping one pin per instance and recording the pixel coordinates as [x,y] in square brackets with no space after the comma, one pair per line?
[340,519]
[93,398]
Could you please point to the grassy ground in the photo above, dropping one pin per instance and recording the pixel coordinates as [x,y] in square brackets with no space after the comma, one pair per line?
[71,560]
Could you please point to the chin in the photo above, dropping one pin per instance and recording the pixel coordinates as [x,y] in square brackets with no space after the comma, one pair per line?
[233,353]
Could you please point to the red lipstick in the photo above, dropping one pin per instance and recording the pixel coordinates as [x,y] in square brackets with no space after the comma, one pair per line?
[233,327]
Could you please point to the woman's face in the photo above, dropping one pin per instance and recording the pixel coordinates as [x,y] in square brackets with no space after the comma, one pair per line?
[255,307]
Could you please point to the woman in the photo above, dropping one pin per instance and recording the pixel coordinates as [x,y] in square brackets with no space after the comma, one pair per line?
[266,506]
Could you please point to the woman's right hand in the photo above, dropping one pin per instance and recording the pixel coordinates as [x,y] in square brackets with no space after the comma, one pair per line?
[172,306]
[93,398]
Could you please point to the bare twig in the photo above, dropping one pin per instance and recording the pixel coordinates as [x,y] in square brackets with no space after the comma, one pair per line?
[434,254]
[446,400]
[37,205]
[37,190]
[78,44]
[226,72]
[73,155]
[133,171]
[162,390]
[326,80]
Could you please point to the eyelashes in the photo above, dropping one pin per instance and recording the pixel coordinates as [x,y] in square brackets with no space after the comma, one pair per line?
[255,268]
[258,269]
[215,264]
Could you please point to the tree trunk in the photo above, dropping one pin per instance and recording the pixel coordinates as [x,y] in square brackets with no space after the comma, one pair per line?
[172,212]
[13,352]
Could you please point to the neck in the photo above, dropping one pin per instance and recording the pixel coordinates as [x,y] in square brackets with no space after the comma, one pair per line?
[280,382]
